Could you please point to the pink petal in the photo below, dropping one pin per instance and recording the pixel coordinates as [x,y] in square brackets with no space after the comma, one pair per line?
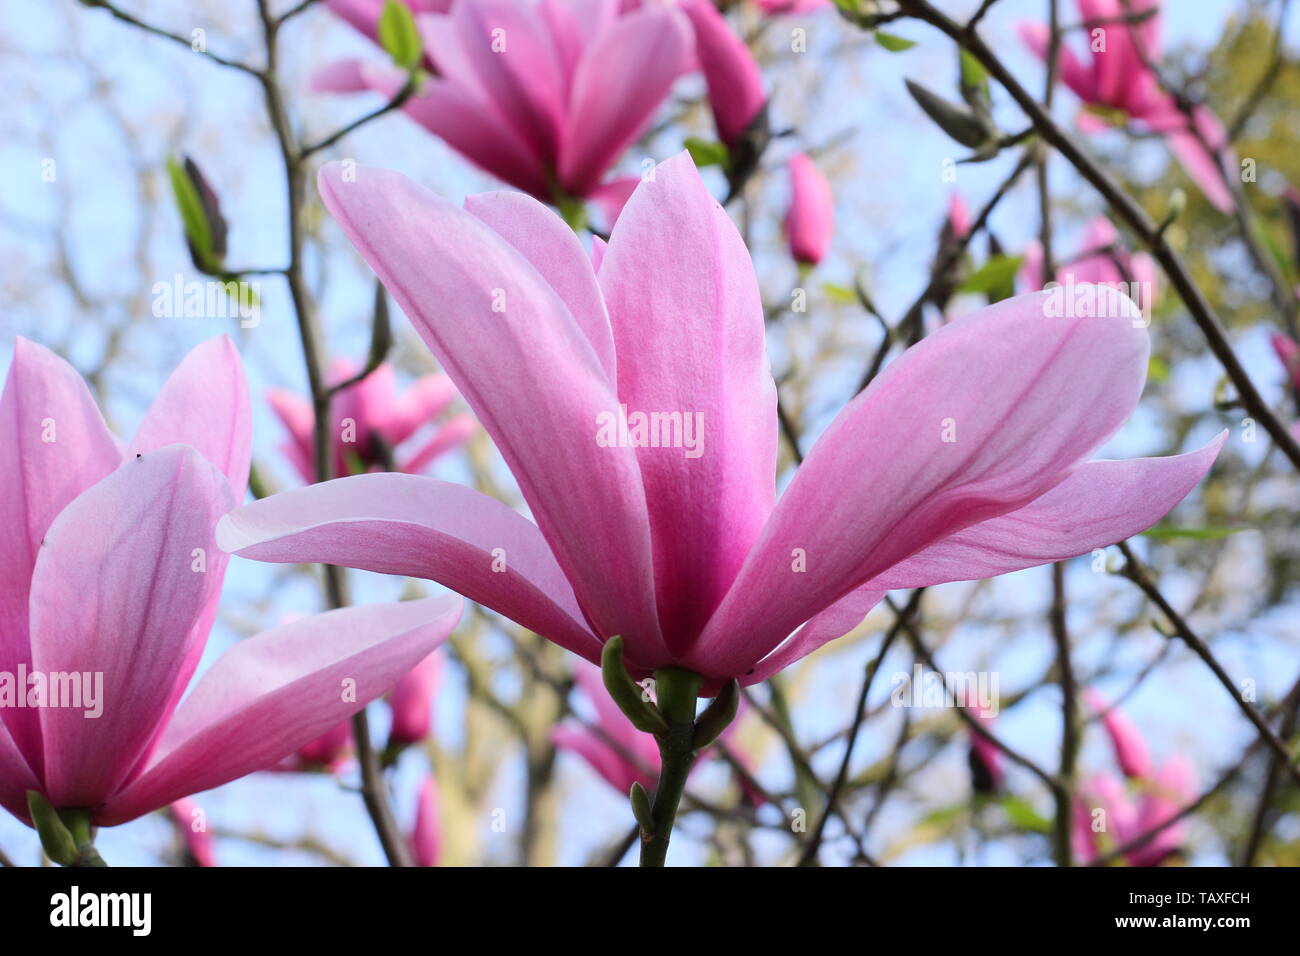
[204,403]
[341,76]
[734,81]
[1130,749]
[509,50]
[124,586]
[56,445]
[1205,169]
[1022,394]
[411,701]
[426,837]
[810,219]
[531,376]
[834,622]
[676,271]
[270,694]
[610,198]
[419,405]
[554,251]
[405,524]
[620,82]
[296,414]
[1074,74]
[1100,503]
[448,437]
[16,777]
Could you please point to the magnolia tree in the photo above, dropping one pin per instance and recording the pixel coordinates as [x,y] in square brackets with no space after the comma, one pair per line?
[763,433]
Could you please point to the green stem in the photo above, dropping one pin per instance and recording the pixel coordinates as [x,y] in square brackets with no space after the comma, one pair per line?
[78,824]
[676,690]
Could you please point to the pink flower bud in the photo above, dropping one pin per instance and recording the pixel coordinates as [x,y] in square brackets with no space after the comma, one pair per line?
[810,221]
[733,78]
[1130,749]
[412,702]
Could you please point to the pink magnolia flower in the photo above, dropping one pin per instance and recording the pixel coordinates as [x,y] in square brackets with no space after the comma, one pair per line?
[1288,353]
[985,758]
[328,752]
[1119,78]
[615,749]
[775,8]
[191,824]
[546,96]
[1130,749]
[967,457]
[109,573]
[959,220]
[1163,798]
[426,836]
[371,420]
[810,220]
[411,702]
[733,79]
[1104,817]
[1101,260]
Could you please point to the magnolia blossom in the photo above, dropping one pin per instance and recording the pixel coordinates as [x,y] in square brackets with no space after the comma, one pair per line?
[617,751]
[734,82]
[810,220]
[1130,749]
[1106,817]
[426,836]
[370,420]
[191,824]
[985,758]
[1102,260]
[783,7]
[959,221]
[545,96]
[1119,79]
[411,702]
[967,457]
[109,582]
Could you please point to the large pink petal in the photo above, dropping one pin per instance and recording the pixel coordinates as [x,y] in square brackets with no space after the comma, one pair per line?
[270,694]
[56,445]
[204,404]
[1101,503]
[620,82]
[406,524]
[980,418]
[530,374]
[688,330]
[123,587]
[508,49]
[555,252]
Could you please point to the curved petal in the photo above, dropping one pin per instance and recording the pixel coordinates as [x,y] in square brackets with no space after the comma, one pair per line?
[1102,502]
[553,248]
[295,413]
[454,433]
[121,599]
[676,271]
[527,370]
[16,777]
[833,623]
[406,524]
[204,404]
[980,418]
[419,405]
[1077,77]
[619,84]
[270,694]
[341,76]
[509,50]
[56,445]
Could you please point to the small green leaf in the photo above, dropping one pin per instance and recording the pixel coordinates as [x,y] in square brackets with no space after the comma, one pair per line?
[1023,816]
[972,71]
[892,43]
[1157,369]
[399,36]
[839,293]
[996,275]
[957,121]
[1164,532]
[707,152]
